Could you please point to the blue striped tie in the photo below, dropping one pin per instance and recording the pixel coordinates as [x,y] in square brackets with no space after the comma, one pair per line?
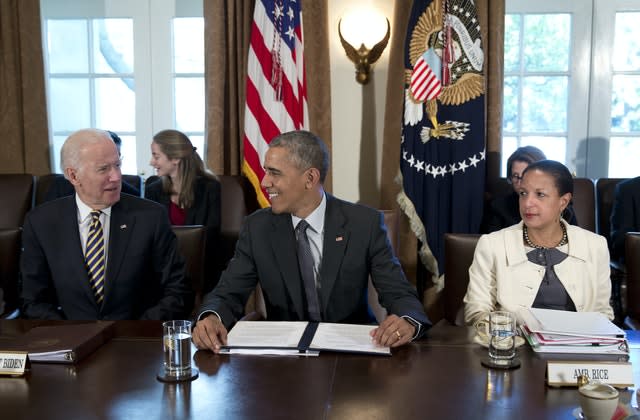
[94,256]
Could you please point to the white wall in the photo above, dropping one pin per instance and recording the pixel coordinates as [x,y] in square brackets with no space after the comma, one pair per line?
[357,110]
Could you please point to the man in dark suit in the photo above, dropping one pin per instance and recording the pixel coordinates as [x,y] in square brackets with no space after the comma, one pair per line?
[137,272]
[348,243]
[625,215]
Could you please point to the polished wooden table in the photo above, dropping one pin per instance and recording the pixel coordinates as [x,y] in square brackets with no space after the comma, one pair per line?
[439,377]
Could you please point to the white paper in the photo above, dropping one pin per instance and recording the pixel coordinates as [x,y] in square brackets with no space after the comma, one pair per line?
[346,337]
[272,334]
[583,324]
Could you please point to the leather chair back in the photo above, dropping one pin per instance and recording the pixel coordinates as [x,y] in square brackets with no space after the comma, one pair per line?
[458,256]
[237,200]
[632,258]
[43,184]
[134,181]
[584,203]
[16,191]
[605,194]
[191,244]
[9,268]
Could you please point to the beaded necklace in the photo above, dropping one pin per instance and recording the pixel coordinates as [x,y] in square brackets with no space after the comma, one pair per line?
[563,241]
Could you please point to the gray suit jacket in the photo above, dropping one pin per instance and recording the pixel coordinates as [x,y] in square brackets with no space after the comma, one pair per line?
[355,246]
[145,273]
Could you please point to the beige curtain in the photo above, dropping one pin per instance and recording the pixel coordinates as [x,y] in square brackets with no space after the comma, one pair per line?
[227,36]
[491,15]
[24,129]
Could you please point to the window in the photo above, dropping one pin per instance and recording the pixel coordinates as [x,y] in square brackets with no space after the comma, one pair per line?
[572,83]
[112,64]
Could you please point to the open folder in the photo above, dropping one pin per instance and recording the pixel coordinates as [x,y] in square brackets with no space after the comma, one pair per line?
[300,337]
[553,331]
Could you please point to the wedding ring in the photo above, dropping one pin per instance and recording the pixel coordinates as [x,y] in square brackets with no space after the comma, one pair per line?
[398,334]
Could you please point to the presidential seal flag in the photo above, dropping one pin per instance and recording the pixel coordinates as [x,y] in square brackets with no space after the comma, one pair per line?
[276,94]
[442,160]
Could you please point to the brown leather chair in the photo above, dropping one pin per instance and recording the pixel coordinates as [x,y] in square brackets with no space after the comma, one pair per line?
[584,203]
[237,200]
[134,181]
[632,258]
[458,256]
[43,185]
[605,194]
[16,191]
[191,243]
[9,270]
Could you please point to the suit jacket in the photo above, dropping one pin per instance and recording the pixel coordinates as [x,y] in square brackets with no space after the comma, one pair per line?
[355,246]
[145,273]
[625,215]
[204,211]
[502,278]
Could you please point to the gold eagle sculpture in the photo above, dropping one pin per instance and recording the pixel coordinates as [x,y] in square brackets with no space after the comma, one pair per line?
[363,57]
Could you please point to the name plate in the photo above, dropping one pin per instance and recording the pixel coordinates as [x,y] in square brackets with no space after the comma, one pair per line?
[13,363]
[566,373]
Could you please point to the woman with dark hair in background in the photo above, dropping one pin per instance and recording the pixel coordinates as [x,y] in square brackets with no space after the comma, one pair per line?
[189,191]
[541,262]
[502,211]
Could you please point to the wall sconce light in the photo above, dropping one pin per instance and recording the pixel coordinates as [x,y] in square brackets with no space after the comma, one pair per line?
[363,57]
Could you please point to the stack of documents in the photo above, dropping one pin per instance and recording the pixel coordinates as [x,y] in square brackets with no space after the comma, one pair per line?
[300,338]
[551,331]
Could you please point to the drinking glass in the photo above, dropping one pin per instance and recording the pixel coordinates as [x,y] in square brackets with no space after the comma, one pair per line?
[176,342]
[502,336]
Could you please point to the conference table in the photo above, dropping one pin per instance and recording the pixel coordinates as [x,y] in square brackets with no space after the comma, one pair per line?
[439,377]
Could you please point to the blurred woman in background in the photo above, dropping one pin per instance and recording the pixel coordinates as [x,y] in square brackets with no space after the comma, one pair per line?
[190,193]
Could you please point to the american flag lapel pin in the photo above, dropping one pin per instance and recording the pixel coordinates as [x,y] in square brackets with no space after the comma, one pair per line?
[123,226]
[339,238]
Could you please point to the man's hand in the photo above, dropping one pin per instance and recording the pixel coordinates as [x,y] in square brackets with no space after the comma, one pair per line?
[393,332]
[209,333]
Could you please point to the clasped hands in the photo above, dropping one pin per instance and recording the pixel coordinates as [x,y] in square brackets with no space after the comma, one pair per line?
[209,333]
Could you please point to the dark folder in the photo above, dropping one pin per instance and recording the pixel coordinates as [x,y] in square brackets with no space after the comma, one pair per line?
[65,343]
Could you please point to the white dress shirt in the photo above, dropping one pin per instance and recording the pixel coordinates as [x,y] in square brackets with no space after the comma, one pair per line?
[84,221]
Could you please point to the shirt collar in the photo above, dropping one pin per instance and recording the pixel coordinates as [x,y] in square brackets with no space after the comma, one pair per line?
[84,211]
[316,218]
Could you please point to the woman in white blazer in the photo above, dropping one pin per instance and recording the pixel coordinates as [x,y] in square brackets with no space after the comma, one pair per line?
[542,261]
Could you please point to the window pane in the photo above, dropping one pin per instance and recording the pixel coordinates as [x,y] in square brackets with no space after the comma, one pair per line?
[58,141]
[67,46]
[115,105]
[128,152]
[623,157]
[554,148]
[188,45]
[512,42]
[547,42]
[189,94]
[509,145]
[541,111]
[113,46]
[510,104]
[626,47]
[70,107]
[625,104]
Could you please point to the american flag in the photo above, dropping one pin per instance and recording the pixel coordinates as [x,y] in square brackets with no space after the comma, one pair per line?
[276,94]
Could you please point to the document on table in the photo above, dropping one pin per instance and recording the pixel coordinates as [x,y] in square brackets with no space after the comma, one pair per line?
[346,337]
[300,337]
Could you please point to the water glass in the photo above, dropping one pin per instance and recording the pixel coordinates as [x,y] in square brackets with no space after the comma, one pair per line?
[176,342]
[502,336]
